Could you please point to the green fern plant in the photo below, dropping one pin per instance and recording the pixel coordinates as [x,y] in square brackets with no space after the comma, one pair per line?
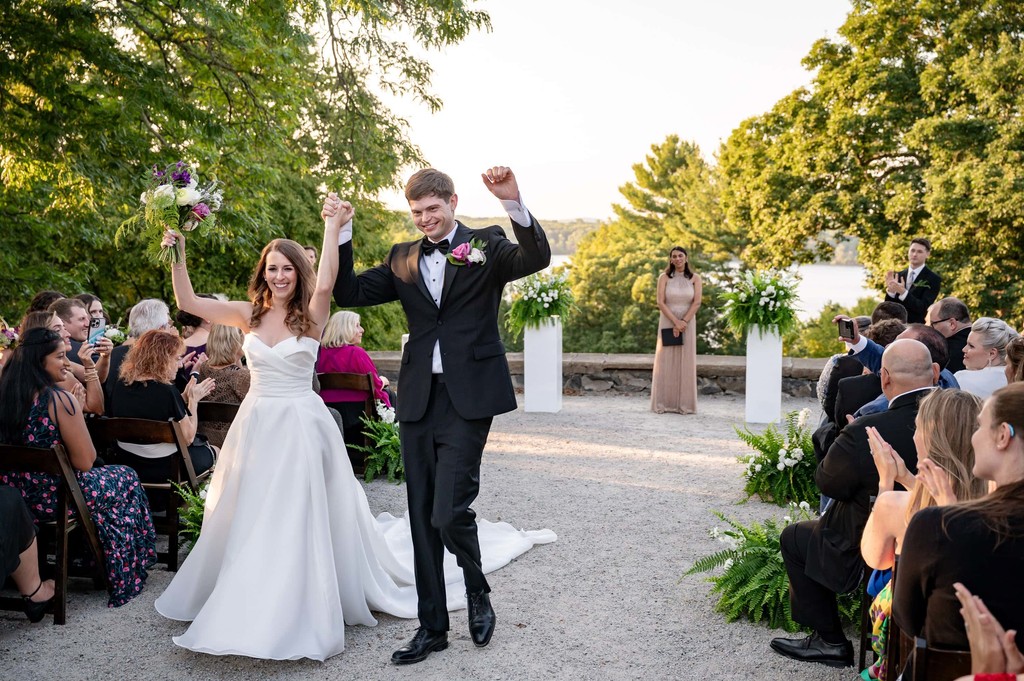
[781,470]
[754,583]
[385,456]
[191,514]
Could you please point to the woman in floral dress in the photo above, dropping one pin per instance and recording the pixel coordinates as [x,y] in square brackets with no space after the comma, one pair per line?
[37,413]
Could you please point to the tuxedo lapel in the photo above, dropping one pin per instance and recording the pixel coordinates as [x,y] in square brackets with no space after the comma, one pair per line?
[462,235]
[413,263]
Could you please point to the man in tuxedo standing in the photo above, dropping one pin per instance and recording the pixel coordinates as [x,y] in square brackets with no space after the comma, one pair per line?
[915,287]
[822,556]
[454,376]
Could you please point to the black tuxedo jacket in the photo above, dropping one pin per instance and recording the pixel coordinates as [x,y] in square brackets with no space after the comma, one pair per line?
[955,344]
[466,322]
[848,475]
[922,294]
[852,393]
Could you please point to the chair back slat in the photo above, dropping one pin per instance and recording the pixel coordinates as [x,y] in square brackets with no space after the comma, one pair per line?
[221,412]
[935,664]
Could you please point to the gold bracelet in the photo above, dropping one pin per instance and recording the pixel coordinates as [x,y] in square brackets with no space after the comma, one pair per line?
[91,375]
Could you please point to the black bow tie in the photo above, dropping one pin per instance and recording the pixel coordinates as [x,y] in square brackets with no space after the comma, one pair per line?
[429,246]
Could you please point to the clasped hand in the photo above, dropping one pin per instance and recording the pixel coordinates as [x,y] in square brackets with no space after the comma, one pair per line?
[889,463]
[336,212]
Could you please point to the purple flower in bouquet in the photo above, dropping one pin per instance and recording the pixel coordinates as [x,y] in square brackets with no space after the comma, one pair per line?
[181,175]
[201,210]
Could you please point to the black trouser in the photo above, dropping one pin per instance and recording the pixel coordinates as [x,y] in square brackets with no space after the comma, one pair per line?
[814,605]
[17,531]
[441,453]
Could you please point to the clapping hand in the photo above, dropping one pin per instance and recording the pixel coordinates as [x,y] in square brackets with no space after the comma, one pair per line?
[936,481]
[78,392]
[336,212]
[500,181]
[194,392]
[993,649]
[885,459]
[894,285]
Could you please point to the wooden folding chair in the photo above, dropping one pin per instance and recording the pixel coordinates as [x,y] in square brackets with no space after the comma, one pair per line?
[936,664]
[865,607]
[221,412]
[55,462]
[363,383]
[106,432]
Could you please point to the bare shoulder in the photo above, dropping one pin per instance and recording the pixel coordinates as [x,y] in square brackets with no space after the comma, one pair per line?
[892,504]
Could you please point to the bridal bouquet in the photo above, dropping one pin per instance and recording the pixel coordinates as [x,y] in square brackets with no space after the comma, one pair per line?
[538,297]
[763,298]
[173,199]
[781,469]
[8,336]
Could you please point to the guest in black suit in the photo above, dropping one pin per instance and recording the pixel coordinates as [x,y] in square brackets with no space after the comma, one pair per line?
[822,556]
[979,544]
[951,318]
[454,376]
[915,287]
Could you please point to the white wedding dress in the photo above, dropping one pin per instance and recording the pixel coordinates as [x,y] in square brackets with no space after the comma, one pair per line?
[290,552]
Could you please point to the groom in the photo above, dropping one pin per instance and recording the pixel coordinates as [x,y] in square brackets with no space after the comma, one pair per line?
[454,376]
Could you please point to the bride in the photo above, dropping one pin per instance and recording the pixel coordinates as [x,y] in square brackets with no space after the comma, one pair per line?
[289,552]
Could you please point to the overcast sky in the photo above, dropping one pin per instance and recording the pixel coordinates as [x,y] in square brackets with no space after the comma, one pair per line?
[571,93]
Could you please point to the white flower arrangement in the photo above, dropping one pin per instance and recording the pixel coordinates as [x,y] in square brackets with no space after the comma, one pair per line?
[781,469]
[764,299]
[538,297]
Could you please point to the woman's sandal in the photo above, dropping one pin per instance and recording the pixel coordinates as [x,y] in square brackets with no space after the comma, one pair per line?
[36,611]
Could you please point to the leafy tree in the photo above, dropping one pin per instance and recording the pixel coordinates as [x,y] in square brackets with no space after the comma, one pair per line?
[910,128]
[277,100]
[615,269]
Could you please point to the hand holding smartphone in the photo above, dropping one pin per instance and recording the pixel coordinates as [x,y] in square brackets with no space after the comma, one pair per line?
[97,326]
[847,330]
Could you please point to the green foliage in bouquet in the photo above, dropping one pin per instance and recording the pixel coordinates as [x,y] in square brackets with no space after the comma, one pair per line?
[782,468]
[385,456]
[537,297]
[191,513]
[754,583]
[764,298]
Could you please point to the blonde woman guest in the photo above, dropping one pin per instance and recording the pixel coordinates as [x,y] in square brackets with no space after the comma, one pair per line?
[945,458]
[985,357]
[674,379]
[224,365]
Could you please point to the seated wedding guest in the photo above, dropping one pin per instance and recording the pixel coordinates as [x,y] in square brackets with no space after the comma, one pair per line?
[76,322]
[195,330]
[979,543]
[19,554]
[838,366]
[37,413]
[985,356]
[340,352]
[146,390]
[994,652]
[822,556]
[146,315]
[888,310]
[231,379]
[43,300]
[312,253]
[82,380]
[945,423]
[1015,360]
[951,318]
[93,305]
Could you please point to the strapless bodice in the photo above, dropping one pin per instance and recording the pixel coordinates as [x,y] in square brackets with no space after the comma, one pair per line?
[284,370]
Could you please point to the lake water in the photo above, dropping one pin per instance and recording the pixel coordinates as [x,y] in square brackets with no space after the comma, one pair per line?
[818,285]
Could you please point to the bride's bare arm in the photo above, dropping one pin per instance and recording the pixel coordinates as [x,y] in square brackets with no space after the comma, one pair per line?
[233,313]
[336,213]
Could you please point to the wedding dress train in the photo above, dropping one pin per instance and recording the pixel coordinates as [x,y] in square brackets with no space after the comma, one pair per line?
[290,552]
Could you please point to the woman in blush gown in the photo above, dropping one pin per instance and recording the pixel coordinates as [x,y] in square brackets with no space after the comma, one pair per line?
[289,552]
[674,376]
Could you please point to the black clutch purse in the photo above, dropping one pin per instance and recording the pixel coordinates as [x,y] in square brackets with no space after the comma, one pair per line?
[668,337]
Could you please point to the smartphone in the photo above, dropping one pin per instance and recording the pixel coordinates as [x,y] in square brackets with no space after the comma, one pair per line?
[846,329]
[97,325]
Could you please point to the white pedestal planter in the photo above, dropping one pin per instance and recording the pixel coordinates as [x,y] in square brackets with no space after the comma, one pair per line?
[542,366]
[764,375]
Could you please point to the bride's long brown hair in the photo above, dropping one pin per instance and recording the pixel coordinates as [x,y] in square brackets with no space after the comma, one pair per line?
[297,315]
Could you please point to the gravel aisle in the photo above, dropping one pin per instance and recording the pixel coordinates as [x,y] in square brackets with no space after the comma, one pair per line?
[629,494]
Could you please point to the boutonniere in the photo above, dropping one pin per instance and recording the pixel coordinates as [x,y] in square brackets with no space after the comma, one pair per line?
[468,254]
[920,283]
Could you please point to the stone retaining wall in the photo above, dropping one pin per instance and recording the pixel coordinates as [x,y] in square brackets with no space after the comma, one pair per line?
[590,373]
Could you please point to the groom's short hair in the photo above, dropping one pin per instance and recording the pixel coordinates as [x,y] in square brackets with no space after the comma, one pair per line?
[429,182]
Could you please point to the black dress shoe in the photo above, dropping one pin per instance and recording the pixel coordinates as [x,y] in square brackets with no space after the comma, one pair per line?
[481,618]
[419,648]
[813,649]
